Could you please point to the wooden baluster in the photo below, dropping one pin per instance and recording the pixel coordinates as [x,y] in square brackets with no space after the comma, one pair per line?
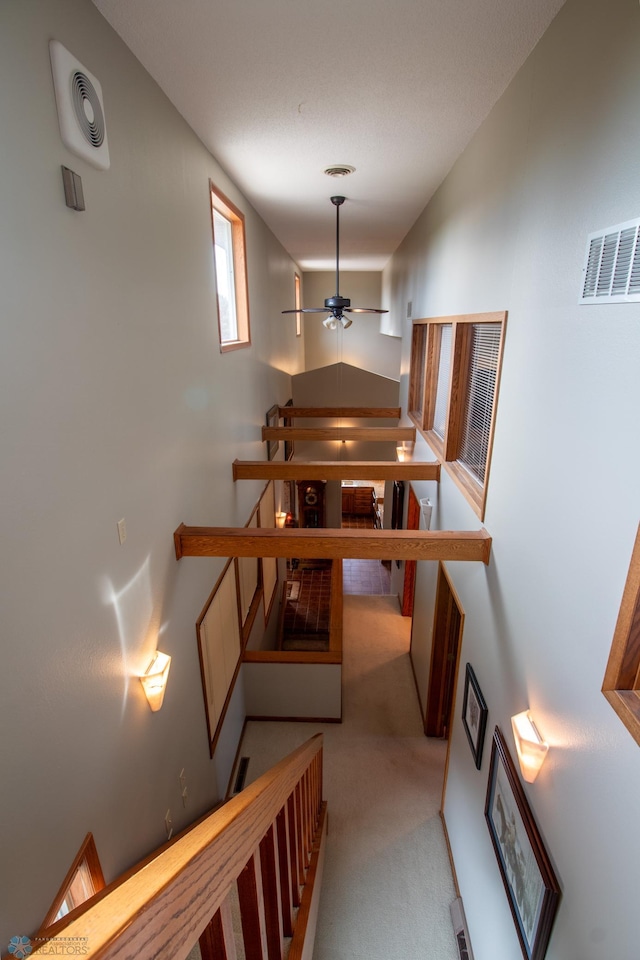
[270,870]
[293,850]
[308,816]
[302,859]
[251,898]
[284,862]
[217,941]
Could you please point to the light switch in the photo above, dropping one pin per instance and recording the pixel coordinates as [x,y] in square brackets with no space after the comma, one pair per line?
[73,193]
[122,530]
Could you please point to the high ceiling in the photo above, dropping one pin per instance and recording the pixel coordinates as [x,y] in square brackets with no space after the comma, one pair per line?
[278,90]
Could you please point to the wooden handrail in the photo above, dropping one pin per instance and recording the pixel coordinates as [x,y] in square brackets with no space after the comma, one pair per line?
[335,470]
[327,543]
[375,434]
[358,413]
[182,895]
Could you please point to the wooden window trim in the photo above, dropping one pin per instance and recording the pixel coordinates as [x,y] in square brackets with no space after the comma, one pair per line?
[447,451]
[227,209]
[417,383]
[621,685]
[87,855]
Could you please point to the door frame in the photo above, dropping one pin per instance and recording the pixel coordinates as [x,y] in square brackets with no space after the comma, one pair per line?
[413,523]
[445,659]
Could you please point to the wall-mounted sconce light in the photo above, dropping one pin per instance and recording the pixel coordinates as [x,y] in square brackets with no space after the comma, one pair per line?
[426,509]
[531,748]
[154,680]
[280,519]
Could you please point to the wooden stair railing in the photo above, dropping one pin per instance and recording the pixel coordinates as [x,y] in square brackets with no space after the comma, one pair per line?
[264,849]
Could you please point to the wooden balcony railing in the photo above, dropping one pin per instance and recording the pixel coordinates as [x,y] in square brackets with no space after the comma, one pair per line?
[260,855]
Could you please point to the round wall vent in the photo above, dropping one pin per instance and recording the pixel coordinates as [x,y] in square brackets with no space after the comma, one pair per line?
[88,110]
[340,170]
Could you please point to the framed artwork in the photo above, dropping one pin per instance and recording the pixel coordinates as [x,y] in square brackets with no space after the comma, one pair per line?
[272,421]
[529,881]
[474,715]
[288,444]
[219,649]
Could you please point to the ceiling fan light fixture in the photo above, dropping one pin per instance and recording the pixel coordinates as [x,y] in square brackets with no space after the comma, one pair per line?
[346,321]
[330,323]
[340,170]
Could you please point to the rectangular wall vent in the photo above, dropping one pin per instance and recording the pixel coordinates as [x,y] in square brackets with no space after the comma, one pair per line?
[241,776]
[459,922]
[612,265]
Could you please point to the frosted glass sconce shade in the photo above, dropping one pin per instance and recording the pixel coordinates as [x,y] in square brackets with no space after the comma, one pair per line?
[280,519]
[426,508]
[531,748]
[154,681]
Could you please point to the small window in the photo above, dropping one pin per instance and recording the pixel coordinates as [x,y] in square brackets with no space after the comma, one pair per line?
[442,383]
[621,684]
[453,389]
[231,272]
[417,373]
[83,881]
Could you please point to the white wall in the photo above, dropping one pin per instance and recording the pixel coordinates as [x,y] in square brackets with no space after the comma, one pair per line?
[361,344]
[116,402]
[556,158]
[293,690]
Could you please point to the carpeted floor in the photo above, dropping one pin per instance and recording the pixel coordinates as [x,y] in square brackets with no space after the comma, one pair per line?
[387,881]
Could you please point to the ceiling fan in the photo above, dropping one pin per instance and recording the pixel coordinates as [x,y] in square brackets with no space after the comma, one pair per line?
[337,305]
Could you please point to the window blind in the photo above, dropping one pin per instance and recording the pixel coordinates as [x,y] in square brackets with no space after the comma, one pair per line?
[476,427]
[442,386]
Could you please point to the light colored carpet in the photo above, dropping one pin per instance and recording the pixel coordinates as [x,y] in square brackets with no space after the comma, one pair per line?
[387,881]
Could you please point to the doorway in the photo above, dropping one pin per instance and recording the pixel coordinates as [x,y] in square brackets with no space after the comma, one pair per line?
[448,622]
[362,508]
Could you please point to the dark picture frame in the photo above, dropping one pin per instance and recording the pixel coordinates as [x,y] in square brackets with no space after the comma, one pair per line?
[529,880]
[474,714]
[288,444]
[273,419]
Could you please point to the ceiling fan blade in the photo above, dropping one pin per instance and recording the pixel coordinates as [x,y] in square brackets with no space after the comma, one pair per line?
[364,310]
[307,310]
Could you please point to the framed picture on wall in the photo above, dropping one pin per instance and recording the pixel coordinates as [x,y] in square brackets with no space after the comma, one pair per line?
[474,715]
[272,418]
[529,881]
[288,444]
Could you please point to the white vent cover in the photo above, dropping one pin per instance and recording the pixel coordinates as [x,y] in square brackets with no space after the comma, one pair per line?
[612,265]
[80,107]
[460,930]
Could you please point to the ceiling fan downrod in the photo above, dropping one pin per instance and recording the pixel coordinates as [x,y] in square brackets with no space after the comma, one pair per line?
[337,304]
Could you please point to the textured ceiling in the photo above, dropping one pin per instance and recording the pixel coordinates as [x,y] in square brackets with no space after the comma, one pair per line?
[280,89]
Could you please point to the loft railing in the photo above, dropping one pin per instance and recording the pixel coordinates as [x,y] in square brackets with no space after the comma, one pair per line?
[261,852]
